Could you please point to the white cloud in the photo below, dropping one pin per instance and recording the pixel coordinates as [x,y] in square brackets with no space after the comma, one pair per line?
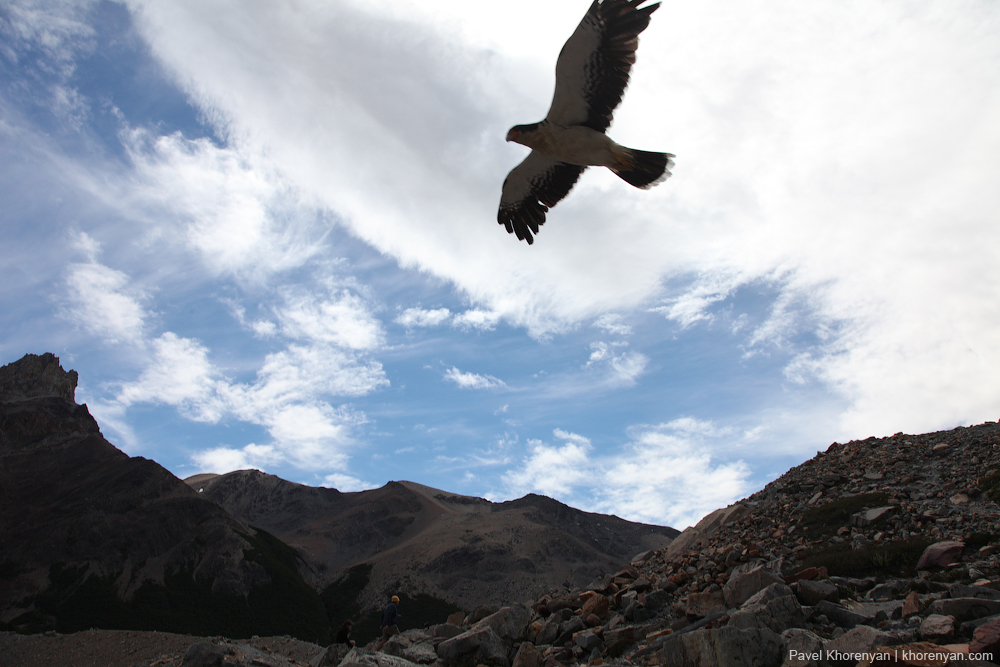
[623,369]
[476,319]
[666,475]
[221,460]
[796,158]
[343,319]
[612,323]
[346,483]
[472,380]
[419,317]
[552,470]
[180,375]
[102,301]
[234,208]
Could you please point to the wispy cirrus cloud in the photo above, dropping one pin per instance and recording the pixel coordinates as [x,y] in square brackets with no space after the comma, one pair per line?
[473,380]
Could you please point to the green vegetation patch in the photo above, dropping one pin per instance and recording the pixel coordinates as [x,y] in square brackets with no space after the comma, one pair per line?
[897,558]
[823,521]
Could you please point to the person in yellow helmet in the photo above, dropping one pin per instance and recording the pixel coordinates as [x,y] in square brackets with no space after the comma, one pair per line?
[388,625]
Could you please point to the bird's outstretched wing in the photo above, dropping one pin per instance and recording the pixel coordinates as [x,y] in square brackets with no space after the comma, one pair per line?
[593,67]
[530,189]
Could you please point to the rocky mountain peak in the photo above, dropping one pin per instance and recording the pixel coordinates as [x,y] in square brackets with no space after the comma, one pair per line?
[37,376]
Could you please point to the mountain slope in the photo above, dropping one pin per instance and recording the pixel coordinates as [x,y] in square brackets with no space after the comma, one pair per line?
[94,538]
[465,550]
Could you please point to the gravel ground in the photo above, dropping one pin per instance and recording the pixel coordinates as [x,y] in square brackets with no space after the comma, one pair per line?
[129,648]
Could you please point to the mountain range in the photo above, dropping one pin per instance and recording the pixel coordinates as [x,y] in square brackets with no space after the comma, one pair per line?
[95,538]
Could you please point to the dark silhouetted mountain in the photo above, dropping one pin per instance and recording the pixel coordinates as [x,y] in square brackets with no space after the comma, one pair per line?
[94,538]
[416,539]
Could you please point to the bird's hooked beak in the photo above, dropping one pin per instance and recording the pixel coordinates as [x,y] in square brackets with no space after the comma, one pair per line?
[513,135]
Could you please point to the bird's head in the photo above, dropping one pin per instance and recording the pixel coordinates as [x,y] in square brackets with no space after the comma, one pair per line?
[516,133]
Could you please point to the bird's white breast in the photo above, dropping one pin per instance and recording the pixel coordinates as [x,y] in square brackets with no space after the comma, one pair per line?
[575,145]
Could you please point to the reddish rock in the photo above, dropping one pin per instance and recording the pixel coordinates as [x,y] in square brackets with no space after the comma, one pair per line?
[700,605]
[986,638]
[809,573]
[911,605]
[596,604]
[940,554]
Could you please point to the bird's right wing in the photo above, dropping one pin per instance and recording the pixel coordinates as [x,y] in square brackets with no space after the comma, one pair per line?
[530,188]
[593,67]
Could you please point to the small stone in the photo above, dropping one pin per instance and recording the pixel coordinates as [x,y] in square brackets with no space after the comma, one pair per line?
[959,499]
[937,628]
[911,605]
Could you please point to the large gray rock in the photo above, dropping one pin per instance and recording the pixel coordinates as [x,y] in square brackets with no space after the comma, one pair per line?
[480,642]
[772,592]
[965,609]
[839,614]
[359,657]
[732,647]
[549,631]
[743,583]
[802,648]
[937,628]
[510,623]
[963,591]
[203,654]
[331,656]
[811,592]
[776,615]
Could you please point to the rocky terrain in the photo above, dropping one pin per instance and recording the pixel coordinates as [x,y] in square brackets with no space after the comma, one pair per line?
[881,551]
[415,539]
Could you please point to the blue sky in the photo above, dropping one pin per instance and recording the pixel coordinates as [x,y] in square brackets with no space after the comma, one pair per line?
[264,234]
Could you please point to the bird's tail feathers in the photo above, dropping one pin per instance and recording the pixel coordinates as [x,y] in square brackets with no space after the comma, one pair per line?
[644,169]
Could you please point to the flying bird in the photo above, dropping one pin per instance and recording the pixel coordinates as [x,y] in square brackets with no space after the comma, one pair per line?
[592,72]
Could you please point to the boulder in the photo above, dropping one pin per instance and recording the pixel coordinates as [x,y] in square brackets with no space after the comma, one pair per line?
[588,640]
[549,631]
[481,642]
[743,583]
[811,592]
[839,614]
[457,618]
[695,536]
[937,628]
[965,609]
[940,555]
[986,639]
[776,615]
[963,591]
[702,604]
[729,646]
[510,623]
[528,656]
[445,630]
[772,592]
[331,656]
[203,654]
[596,604]
[802,648]
[359,657]
[616,641]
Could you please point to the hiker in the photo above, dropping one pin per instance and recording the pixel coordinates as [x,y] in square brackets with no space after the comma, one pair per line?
[388,626]
[344,636]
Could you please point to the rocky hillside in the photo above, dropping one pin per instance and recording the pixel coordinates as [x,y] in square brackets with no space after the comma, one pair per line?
[876,552]
[94,538]
[410,538]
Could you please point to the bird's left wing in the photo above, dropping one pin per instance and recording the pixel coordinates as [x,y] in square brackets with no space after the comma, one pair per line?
[530,189]
[593,67]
